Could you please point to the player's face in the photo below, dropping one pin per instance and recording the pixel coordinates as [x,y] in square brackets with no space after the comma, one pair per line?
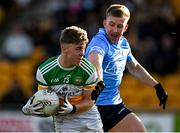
[115,27]
[75,52]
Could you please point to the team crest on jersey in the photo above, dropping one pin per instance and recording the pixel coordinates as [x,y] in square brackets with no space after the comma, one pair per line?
[124,52]
[78,80]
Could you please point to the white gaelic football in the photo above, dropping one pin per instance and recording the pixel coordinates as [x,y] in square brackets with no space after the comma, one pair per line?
[50,101]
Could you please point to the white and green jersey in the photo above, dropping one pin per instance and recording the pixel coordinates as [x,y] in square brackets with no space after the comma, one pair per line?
[72,81]
[67,80]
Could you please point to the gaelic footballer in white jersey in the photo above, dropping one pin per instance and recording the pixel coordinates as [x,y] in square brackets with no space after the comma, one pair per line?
[71,82]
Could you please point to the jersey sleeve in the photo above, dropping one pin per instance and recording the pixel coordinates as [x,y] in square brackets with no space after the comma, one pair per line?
[92,76]
[91,82]
[92,79]
[97,46]
[40,79]
[130,56]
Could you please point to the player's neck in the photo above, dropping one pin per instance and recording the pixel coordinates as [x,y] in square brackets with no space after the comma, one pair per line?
[64,62]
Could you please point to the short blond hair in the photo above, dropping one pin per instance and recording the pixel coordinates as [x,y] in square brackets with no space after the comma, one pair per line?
[118,10]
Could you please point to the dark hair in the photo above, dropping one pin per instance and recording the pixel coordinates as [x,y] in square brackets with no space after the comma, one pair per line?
[117,10]
[73,34]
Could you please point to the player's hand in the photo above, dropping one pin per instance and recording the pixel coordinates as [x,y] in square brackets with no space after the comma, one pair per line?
[161,94]
[33,109]
[67,107]
[99,87]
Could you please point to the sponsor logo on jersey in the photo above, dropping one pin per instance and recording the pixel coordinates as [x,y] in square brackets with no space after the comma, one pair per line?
[55,80]
[64,89]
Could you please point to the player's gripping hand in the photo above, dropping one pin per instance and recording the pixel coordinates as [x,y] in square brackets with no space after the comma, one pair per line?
[33,109]
[99,87]
[67,107]
[161,94]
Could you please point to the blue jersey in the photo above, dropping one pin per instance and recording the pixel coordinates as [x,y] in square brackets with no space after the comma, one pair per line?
[115,57]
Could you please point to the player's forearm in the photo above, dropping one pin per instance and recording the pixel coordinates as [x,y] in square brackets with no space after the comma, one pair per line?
[84,105]
[96,60]
[99,72]
[98,69]
[144,76]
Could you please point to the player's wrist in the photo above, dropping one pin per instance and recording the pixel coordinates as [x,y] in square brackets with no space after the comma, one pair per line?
[98,89]
[100,86]
[158,86]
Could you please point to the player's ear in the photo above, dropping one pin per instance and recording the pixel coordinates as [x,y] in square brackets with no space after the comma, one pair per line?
[126,27]
[63,47]
[104,22]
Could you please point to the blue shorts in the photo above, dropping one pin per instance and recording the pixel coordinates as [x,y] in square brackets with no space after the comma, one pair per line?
[112,114]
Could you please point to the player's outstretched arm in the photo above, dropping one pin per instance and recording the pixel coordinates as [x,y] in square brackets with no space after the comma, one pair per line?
[140,72]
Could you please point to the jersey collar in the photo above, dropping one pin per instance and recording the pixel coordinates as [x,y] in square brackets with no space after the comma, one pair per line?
[62,66]
[103,31]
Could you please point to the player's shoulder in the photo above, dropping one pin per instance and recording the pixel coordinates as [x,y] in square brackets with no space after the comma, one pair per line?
[87,65]
[98,41]
[101,37]
[48,62]
[124,42]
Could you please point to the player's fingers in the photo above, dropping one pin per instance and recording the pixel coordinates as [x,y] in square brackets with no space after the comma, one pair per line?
[39,113]
[66,101]
[63,108]
[161,102]
[164,106]
[61,112]
[166,98]
[164,103]
[37,104]
[38,107]
[66,104]
[65,98]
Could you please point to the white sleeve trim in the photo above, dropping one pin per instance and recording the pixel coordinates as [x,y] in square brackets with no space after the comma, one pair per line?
[98,49]
[40,77]
[92,78]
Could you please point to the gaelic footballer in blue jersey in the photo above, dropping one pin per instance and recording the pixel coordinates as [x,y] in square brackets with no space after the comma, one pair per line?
[110,53]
